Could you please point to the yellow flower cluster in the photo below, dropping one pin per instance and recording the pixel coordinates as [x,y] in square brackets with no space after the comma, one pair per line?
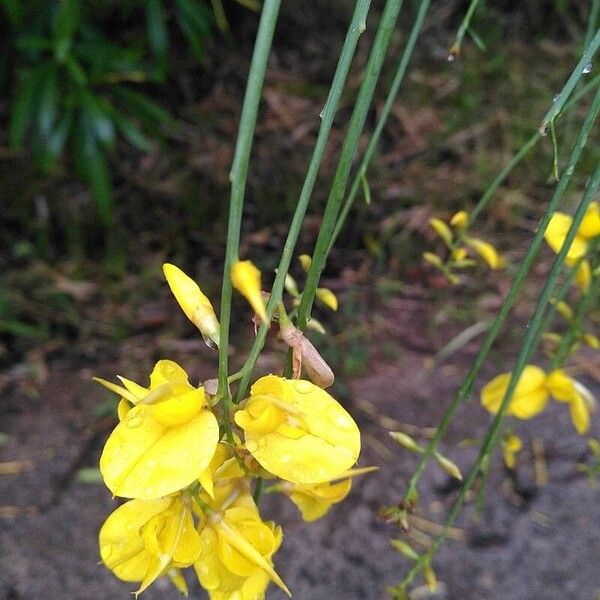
[532,392]
[190,489]
[460,247]
[588,230]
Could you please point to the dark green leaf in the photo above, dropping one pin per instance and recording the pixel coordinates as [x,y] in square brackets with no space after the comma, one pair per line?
[67,20]
[149,112]
[22,109]
[47,100]
[157,33]
[33,42]
[96,115]
[133,134]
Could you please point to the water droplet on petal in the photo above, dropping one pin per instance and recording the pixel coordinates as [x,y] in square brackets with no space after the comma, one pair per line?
[149,491]
[303,387]
[286,458]
[587,69]
[152,464]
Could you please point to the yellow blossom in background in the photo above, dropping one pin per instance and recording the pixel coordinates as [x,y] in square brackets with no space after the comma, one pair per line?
[583,277]
[442,230]
[246,279]
[489,254]
[297,431]
[236,557]
[195,304]
[511,445]
[529,398]
[559,226]
[580,400]
[327,297]
[460,219]
[433,259]
[305,261]
[143,540]
[164,442]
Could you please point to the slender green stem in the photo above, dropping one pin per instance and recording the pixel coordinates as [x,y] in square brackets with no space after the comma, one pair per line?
[238,175]
[529,345]
[355,127]
[592,22]
[383,117]
[355,30]
[513,292]
[464,27]
[580,70]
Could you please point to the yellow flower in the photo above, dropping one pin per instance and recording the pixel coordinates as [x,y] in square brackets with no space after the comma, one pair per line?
[487,252]
[459,254]
[559,226]
[460,219]
[442,230]
[510,446]
[529,398]
[143,540]
[328,298]
[297,431]
[246,279]
[314,501]
[164,442]
[224,476]
[195,304]
[432,259]
[583,277]
[236,558]
[579,398]
[305,261]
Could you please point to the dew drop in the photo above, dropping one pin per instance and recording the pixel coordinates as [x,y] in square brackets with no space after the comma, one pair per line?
[209,342]
[286,458]
[543,130]
[152,464]
[555,98]
[303,387]
[451,57]
[587,68]
[149,491]
[570,170]
[343,422]
[251,446]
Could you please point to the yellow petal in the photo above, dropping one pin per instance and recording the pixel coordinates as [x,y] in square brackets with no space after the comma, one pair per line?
[510,446]
[459,254]
[144,459]
[315,501]
[123,408]
[246,279]
[557,232]
[561,386]
[327,297]
[442,230]
[328,442]
[167,371]
[195,304]
[460,219]
[432,259]
[179,581]
[590,226]
[121,545]
[530,396]
[179,408]
[591,340]
[305,261]
[580,414]
[583,277]
[564,310]
[487,252]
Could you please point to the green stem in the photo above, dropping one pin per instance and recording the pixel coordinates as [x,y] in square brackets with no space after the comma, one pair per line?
[576,75]
[238,175]
[355,127]
[354,32]
[464,27]
[385,113]
[513,292]
[529,345]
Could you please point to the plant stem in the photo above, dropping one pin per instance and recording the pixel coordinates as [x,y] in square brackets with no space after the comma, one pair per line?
[355,127]
[383,117]
[354,32]
[513,292]
[529,345]
[460,34]
[239,171]
[576,75]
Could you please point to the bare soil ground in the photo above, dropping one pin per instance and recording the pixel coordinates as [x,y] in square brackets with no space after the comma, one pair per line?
[533,542]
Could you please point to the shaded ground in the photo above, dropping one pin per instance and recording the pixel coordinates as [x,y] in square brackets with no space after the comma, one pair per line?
[532,542]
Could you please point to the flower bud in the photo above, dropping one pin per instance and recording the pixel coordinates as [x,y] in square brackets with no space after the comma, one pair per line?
[441,229]
[448,466]
[460,219]
[246,279]
[328,298]
[405,549]
[305,261]
[195,304]
[406,441]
